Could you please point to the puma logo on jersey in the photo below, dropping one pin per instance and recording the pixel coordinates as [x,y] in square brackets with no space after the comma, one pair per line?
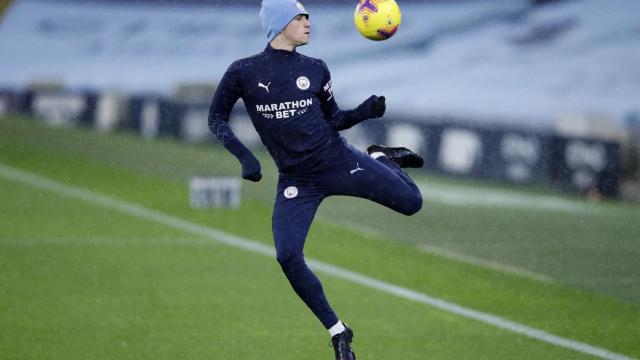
[358,168]
[266,87]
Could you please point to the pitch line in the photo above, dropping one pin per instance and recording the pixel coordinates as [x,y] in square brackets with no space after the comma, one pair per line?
[468,196]
[466,259]
[40,182]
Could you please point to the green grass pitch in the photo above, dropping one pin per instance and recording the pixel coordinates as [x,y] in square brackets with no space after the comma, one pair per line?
[79,281]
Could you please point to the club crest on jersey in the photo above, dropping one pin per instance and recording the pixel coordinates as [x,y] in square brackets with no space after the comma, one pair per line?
[291,192]
[303,83]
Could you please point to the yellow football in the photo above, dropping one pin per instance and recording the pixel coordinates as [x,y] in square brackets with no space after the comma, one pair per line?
[377,19]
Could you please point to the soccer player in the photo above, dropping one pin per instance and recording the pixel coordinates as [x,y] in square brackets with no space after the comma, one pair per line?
[291,104]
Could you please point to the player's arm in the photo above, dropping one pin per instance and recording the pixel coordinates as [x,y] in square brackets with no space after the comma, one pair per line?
[373,107]
[225,97]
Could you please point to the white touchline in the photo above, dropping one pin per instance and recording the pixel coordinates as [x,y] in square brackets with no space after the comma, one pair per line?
[20,176]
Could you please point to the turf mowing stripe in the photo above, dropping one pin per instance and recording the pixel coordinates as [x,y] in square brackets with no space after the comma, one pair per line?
[40,182]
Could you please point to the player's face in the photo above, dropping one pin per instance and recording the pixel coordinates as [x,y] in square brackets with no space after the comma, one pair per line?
[298,31]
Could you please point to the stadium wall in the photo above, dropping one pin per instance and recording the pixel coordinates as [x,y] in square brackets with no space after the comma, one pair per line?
[496,153]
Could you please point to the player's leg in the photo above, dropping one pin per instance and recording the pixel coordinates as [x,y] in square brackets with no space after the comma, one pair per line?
[296,205]
[380,180]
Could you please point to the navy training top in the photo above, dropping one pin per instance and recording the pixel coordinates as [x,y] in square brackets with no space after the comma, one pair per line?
[289,99]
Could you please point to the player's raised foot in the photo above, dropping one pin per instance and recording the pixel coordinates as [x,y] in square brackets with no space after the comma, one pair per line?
[342,345]
[402,156]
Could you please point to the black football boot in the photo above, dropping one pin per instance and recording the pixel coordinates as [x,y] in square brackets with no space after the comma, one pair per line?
[404,157]
[342,345]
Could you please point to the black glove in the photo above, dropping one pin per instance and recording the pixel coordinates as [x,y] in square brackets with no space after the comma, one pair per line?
[378,106]
[251,168]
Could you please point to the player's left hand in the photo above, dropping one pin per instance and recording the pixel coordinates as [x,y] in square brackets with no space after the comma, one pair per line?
[378,106]
[250,168]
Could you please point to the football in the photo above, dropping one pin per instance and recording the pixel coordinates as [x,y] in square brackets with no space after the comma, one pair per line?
[377,19]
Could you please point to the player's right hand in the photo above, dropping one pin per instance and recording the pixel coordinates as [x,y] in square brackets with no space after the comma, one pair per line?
[373,107]
[251,169]
[378,106]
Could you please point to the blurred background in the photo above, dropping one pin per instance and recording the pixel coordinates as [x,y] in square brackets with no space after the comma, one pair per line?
[527,113]
[516,91]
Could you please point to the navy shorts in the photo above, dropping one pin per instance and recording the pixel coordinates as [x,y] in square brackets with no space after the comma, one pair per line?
[350,173]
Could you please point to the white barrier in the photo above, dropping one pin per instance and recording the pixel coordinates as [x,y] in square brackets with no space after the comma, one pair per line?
[208,192]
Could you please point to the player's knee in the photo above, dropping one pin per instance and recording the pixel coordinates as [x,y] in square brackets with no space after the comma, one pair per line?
[413,204]
[290,261]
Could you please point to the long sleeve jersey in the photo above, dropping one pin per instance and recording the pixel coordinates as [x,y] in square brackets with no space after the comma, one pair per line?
[289,99]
